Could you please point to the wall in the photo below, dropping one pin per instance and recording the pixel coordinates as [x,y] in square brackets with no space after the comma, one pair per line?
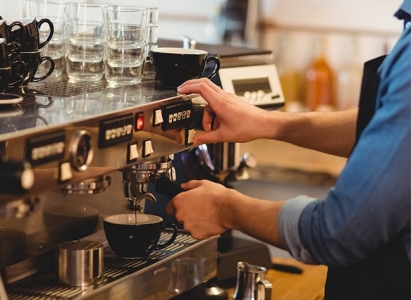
[197,18]
[371,15]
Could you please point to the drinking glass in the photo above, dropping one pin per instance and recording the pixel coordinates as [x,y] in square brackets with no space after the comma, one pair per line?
[125,28]
[151,40]
[84,35]
[54,10]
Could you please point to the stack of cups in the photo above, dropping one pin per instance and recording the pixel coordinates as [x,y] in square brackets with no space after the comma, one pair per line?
[125,33]
[53,10]
[31,43]
[20,52]
[84,34]
[151,39]
[8,53]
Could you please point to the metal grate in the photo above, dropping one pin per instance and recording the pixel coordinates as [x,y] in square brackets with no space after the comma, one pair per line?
[45,285]
[65,88]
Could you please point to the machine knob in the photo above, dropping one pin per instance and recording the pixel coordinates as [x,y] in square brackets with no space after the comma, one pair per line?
[81,150]
[15,176]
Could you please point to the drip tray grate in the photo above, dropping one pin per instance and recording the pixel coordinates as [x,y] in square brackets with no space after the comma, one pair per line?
[65,88]
[45,285]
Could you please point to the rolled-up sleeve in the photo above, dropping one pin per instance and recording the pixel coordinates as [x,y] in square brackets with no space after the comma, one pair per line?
[288,223]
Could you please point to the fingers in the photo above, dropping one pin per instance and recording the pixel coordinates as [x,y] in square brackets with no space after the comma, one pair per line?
[206,81]
[206,138]
[208,118]
[192,184]
[170,209]
[208,90]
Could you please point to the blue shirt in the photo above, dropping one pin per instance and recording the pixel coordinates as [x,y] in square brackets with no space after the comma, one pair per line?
[370,203]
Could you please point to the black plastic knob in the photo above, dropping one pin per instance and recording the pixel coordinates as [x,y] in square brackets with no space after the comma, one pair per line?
[16,177]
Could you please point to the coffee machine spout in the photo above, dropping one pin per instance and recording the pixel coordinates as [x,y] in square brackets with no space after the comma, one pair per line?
[135,192]
[137,177]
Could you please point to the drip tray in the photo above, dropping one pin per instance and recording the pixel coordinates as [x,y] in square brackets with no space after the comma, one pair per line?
[65,88]
[159,275]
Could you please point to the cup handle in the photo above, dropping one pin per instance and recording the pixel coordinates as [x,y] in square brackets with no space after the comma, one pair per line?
[171,239]
[44,58]
[20,26]
[13,50]
[38,117]
[20,77]
[216,67]
[39,23]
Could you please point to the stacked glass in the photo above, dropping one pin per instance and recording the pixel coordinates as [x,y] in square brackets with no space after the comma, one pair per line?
[93,41]
[125,41]
[84,34]
[151,39]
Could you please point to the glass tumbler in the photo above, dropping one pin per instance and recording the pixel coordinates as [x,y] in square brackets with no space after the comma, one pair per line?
[125,32]
[84,35]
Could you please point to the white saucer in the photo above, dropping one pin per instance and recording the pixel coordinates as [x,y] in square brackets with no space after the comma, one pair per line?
[7,99]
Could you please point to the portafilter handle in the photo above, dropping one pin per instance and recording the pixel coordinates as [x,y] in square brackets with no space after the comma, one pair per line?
[165,186]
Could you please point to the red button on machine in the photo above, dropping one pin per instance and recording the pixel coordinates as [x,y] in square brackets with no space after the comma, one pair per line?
[139,121]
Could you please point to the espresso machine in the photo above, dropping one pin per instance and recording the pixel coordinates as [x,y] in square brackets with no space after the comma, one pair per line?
[99,151]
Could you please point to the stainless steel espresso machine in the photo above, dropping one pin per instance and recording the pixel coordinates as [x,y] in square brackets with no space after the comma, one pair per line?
[95,150]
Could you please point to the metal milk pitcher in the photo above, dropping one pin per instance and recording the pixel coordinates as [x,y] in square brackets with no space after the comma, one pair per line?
[251,283]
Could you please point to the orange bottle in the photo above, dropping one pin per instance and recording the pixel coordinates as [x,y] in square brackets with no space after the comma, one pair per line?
[319,81]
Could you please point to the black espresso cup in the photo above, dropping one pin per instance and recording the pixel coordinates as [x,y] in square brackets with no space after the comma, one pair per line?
[4,79]
[5,29]
[8,52]
[173,66]
[12,76]
[29,36]
[137,235]
[32,60]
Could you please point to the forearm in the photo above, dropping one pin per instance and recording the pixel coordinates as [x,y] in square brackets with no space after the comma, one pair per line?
[329,132]
[254,217]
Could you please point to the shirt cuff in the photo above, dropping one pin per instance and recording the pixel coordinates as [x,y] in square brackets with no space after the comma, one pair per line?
[288,220]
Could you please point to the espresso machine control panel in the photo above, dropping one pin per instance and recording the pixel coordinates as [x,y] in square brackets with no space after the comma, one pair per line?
[72,150]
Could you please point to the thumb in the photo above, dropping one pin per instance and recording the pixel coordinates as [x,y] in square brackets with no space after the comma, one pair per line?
[209,137]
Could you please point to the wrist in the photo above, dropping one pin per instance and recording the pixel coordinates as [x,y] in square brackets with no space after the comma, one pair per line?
[235,209]
[228,210]
[273,125]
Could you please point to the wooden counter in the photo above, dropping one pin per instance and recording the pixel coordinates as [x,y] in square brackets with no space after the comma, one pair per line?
[306,286]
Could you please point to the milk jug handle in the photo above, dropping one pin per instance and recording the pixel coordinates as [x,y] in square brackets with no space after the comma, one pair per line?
[264,290]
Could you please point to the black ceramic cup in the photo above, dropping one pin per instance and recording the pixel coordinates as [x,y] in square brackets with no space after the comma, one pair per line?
[32,60]
[4,79]
[133,237]
[5,29]
[12,76]
[8,52]
[29,35]
[173,66]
